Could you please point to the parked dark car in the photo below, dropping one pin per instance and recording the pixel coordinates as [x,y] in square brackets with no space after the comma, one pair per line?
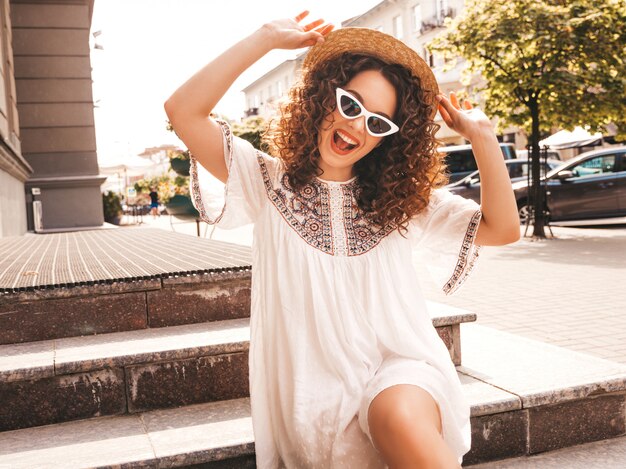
[461,161]
[585,190]
[469,186]
[552,154]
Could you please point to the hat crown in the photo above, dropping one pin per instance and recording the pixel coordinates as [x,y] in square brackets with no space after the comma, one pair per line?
[377,44]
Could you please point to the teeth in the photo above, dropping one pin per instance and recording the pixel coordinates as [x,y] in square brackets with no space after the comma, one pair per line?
[345,138]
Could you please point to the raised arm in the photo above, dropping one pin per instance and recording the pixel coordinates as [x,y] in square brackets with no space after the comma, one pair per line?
[499,224]
[188,109]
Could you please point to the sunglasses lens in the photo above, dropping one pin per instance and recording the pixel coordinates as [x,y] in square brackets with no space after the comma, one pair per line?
[349,106]
[378,126]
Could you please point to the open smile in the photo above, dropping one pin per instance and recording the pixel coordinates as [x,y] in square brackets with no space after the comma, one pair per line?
[342,142]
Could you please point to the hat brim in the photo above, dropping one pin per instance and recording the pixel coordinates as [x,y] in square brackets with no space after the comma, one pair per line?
[375,43]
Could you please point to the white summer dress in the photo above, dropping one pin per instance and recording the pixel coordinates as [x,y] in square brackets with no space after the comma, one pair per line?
[337,312]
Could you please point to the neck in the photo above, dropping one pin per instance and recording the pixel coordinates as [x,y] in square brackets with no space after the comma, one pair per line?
[337,174]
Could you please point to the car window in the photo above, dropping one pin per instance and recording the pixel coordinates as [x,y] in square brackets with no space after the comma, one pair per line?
[593,166]
[622,162]
[460,161]
[517,170]
[520,169]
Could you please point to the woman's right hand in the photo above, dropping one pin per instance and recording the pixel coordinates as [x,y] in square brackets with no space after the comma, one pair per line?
[289,34]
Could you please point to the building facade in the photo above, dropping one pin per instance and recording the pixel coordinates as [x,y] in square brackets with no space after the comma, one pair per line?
[264,94]
[46,118]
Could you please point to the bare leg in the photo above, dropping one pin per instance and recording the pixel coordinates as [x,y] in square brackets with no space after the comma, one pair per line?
[405,423]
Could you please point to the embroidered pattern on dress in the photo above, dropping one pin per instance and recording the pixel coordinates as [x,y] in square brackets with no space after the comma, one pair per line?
[308,215]
[325,216]
[362,234]
[337,198]
[464,264]
[195,183]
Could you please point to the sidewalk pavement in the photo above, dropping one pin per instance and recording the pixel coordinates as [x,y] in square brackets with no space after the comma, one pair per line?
[569,290]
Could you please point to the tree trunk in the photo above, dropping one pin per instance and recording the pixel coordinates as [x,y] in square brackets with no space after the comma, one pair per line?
[535,192]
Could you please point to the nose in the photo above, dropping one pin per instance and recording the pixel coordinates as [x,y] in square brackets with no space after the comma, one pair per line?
[358,124]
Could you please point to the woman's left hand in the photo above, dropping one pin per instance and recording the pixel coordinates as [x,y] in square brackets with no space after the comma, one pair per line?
[468,121]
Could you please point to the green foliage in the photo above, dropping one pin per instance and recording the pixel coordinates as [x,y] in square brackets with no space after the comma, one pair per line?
[111,205]
[166,186]
[251,129]
[566,58]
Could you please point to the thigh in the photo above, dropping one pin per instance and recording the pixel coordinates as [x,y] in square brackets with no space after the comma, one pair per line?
[402,387]
[404,403]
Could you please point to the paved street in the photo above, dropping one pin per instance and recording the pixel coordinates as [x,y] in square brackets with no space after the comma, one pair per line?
[568,290]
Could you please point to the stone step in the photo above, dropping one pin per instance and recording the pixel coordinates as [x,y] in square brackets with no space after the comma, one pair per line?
[74,378]
[124,305]
[219,433]
[75,311]
[605,454]
[552,398]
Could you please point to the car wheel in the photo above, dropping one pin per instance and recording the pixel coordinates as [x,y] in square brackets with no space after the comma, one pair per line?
[524,211]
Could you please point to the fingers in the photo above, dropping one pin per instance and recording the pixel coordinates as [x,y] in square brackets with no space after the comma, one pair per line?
[468,105]
[324,30]
[312,38]
[444,115]
[313,25]
[454,100]
[447,105]
[301,16]
[317,36]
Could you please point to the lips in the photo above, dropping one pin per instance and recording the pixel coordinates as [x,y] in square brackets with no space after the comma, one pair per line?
[342,142]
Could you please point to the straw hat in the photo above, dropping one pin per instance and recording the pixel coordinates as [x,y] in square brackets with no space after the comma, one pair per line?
[371,42]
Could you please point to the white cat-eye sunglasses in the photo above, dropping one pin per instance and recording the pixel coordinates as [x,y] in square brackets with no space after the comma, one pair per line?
[350,108]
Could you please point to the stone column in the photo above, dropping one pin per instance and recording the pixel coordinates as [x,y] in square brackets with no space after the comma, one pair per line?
[55,106]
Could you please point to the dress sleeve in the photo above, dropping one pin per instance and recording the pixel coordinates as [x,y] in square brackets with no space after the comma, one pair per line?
[443,236]
[239,201]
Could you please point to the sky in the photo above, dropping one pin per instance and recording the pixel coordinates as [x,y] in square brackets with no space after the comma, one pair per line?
[151,47]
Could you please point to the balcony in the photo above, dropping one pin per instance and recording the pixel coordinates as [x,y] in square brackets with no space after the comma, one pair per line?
[435,22]
[253,111]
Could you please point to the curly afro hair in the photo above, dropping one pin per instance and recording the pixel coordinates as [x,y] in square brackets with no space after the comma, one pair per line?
[396,178]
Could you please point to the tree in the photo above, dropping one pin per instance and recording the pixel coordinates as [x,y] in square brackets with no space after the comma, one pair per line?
[251,129]
[546,63]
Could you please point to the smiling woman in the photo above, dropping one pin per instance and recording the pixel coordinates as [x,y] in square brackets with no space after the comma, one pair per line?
[346,368]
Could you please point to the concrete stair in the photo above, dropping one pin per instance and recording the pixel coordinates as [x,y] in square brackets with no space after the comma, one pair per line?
[557,399]
[135,304]
[604,454]
[154,373]
[72,378]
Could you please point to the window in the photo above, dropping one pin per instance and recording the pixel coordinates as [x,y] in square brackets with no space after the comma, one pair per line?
[256,101]
[397,27]
[417,17]
[442,9]
[593,166]
[269,92]
[279,88]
